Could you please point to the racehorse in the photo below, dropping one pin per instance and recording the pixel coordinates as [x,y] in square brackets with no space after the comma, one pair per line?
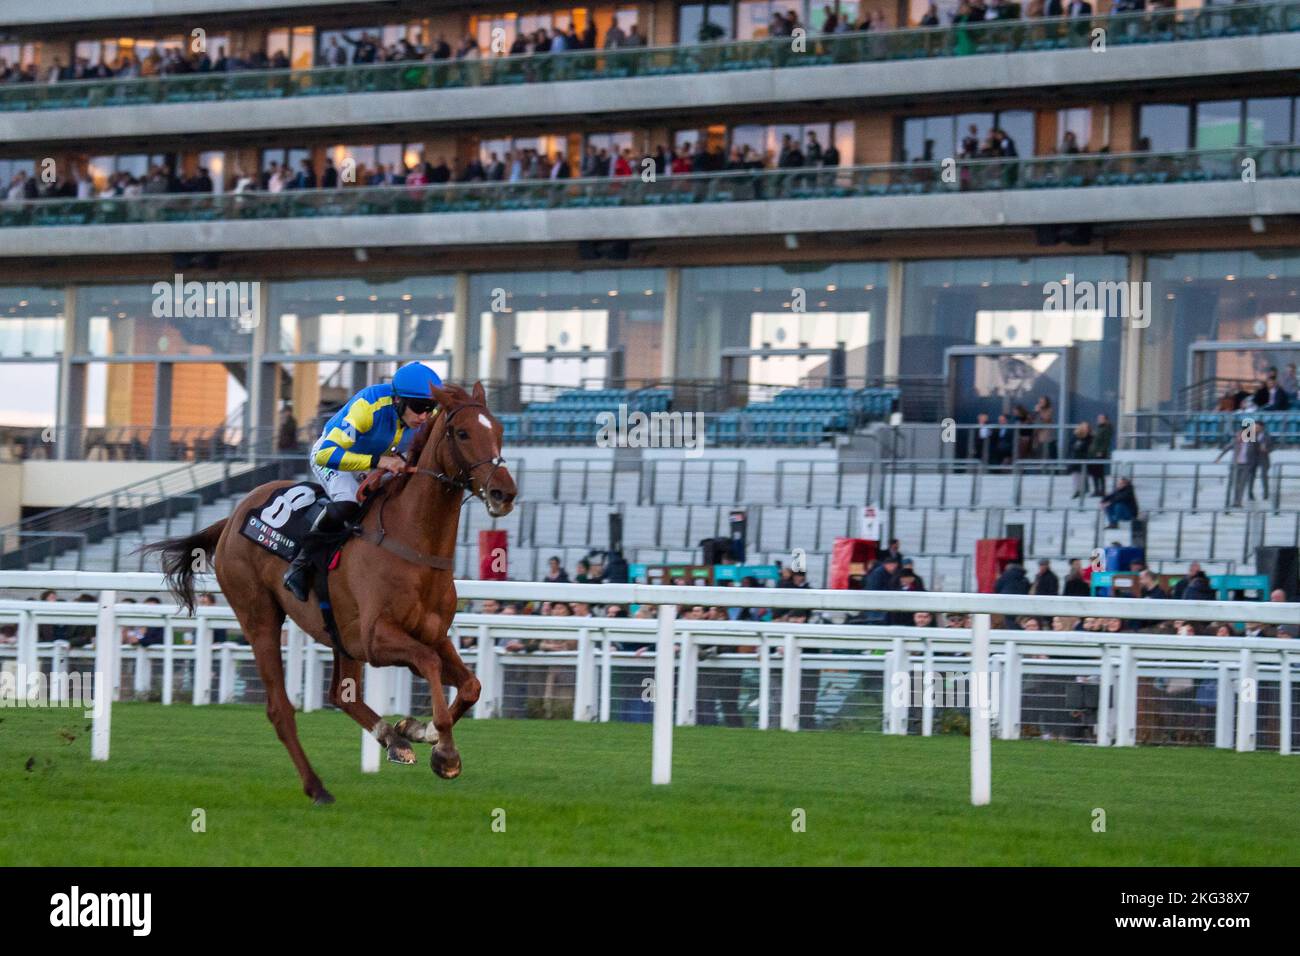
[391,590]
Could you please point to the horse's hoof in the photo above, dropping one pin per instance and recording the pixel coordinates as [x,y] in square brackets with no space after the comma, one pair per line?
[446,767]
[401,751]
[324,798]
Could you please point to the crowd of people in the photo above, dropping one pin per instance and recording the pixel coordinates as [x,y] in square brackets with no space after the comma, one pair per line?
[514,165]
[367,47]
[1273,393]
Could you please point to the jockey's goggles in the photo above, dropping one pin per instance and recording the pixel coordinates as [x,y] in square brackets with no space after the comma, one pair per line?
[420,405]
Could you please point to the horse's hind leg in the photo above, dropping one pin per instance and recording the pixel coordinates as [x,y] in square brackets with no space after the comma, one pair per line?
[345,694]
[262,629]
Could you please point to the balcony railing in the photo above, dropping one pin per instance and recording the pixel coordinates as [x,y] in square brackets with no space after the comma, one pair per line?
[1006,36]
[898,179]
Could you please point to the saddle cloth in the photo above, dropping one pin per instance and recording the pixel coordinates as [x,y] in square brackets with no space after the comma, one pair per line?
[281,522]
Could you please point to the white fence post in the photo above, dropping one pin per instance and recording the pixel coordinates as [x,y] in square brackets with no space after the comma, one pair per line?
[143,677]
[107,645]
[927,690]
[764,683]
[899,695]
[1103,700]
[1009,724]
[1126,704]
[60,678]
[606,678]
[28,635]
[1247,697]
[661,765]
[791,684]
[487,668]
[225,673]
[584,681]
[293,664]
[313,675]
[686,679]
[169,661]
[1284,695]
[375,680]
[981,702]
[202,662]
[1223,709]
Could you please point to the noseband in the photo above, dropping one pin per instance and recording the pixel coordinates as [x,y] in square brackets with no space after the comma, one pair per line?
[465,473]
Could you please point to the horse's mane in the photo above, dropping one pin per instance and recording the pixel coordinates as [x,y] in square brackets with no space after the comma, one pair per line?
[458,396]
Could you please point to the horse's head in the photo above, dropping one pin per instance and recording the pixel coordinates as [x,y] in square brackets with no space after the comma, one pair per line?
[463,444]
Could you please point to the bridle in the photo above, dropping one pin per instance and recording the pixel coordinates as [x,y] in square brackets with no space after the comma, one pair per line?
[463,480]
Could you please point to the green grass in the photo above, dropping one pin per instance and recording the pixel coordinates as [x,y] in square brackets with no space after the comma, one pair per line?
[580,794]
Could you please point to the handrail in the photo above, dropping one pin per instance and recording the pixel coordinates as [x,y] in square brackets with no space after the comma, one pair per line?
[1220,164]
[964,39]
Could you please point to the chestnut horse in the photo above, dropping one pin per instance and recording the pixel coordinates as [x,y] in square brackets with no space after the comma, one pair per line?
[392,591]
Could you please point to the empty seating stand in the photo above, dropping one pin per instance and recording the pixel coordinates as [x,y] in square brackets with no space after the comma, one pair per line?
[572,418]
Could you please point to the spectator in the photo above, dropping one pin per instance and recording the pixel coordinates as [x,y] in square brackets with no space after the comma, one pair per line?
[1080,452]
[1290,384]
[1045,438]
[1046,583]
[1195,587]
[1247,455]
[881,578]
[1012,580]
[1270,396]
[555,573]
[1121,504]
[1102,439]
[1075,585]
[1149,586]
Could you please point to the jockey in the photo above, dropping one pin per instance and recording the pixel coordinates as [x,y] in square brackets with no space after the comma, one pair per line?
[369,432]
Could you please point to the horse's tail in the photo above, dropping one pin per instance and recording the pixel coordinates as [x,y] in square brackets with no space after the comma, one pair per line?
[181,559]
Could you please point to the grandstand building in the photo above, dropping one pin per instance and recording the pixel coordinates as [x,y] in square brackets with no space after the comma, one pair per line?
[832,242]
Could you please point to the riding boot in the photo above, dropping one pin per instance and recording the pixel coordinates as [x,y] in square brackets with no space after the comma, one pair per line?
[323,531]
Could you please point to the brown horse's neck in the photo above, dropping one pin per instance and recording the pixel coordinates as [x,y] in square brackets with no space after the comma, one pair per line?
[425,513]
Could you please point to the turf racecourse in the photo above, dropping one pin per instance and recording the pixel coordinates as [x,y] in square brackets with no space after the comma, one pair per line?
[580,794]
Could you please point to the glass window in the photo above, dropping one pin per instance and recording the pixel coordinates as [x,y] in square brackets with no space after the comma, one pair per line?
[31,394]
[759,308]
[361,317]
[1004,303]
[1164,127]
[162,318]
[1251,299]
[1218,123]
[1268,121]
[601,311]
[31,322]
[690,20]
[1075,121]
[754,17]
[214,161]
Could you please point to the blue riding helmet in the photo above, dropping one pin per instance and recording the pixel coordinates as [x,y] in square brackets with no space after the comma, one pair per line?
[414,380]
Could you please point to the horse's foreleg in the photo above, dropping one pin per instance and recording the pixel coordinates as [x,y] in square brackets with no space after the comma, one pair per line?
[461,677]
[345,694]
[392,646]
[467,687]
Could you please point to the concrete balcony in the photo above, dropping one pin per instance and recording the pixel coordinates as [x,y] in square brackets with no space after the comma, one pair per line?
[1202,185]
[1006,57]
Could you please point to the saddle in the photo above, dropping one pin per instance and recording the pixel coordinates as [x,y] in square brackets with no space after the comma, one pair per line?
[282,525]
